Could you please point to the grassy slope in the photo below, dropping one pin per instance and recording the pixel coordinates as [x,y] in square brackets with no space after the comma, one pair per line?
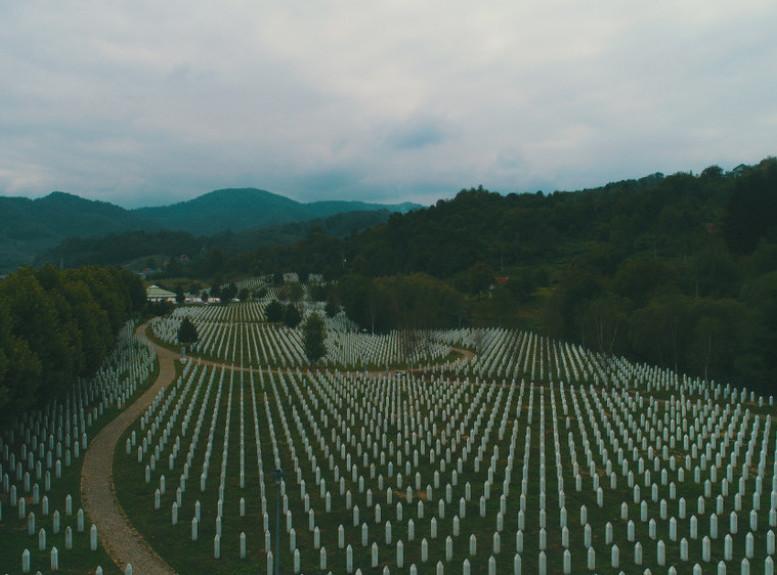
[13,531]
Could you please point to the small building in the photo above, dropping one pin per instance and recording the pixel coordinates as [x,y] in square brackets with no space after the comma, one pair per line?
[155,293]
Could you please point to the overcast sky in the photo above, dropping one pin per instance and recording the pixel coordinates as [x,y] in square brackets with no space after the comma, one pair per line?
[149,102]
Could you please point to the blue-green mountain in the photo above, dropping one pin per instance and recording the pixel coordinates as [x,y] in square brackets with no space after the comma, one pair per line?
[29,228]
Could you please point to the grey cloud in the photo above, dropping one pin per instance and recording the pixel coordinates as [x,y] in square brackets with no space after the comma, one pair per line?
[153,101]
[417,133]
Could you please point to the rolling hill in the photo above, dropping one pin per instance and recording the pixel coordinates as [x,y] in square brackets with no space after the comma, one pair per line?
[249,208]
[30,228]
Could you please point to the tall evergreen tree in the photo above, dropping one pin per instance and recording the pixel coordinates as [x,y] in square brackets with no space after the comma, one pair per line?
[314,337]
[292,317]
[180,295]
[274,311]
[187,334]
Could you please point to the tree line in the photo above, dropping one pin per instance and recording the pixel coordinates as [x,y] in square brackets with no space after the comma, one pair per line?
[161,250]
[679,270]
[676,270]
[58,325]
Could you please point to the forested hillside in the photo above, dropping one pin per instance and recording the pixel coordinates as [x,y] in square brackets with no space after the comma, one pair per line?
[63,228]
[29,227]
[152,248]
[247,209]
[678,270]
[58,325]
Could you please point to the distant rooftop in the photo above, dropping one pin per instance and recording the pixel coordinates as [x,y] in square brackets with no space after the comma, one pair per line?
[155,292]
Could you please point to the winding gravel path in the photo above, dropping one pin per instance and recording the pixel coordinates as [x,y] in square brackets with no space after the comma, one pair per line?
[120,539]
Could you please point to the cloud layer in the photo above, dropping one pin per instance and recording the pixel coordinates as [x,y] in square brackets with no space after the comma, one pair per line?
[147,103]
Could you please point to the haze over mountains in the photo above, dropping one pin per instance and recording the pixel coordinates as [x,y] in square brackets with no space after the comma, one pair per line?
[28,228]
[248,208]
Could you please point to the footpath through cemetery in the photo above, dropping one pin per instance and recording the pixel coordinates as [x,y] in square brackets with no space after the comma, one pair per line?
[439,451]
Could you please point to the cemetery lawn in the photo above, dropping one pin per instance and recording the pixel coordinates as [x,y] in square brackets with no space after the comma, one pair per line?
[532,451]
[79,560]
[533,411]
[185,556]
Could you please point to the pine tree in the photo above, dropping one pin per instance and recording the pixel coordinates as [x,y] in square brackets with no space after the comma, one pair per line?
[313,337]
[292,317]
[187,334]
[274,311]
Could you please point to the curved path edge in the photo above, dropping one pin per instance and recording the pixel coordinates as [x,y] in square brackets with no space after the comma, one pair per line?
[120,539]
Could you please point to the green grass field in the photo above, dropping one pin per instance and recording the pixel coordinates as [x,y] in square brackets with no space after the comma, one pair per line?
[498,451]
[377,406]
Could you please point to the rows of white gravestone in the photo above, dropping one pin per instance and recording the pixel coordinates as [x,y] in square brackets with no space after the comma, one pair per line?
[258,344]
[503,353]
[195,394]
[253,284]
[662,494]
[362,350]
[377,423]
[271,345]
[293,277]
[507,353]
[240,339]
[643,446]
[249,311]
[245,343]
[339,322]
[267,347]
[42,446]
[289,442]
[438,517]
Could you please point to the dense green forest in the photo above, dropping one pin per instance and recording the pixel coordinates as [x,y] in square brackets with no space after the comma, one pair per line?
[680,270]
[153,248]
[30,230]
[677,270]
[58,325]
[30,227]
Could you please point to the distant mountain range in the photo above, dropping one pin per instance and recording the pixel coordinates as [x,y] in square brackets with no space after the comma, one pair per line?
[241,209]
[28,228]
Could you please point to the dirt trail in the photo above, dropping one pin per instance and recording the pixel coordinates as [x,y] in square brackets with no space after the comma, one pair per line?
[118,536]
